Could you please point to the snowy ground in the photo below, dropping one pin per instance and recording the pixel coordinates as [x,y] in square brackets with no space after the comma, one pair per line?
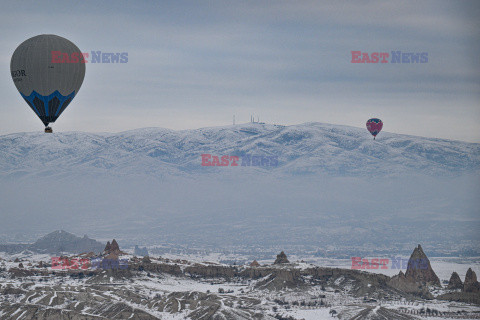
[231,295]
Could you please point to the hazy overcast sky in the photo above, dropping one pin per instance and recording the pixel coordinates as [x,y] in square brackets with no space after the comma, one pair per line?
[197,63]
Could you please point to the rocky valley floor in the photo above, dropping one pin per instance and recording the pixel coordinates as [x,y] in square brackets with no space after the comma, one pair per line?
[160,288]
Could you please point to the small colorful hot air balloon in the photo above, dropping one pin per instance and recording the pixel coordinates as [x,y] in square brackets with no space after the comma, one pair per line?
[47,87]
[374,125]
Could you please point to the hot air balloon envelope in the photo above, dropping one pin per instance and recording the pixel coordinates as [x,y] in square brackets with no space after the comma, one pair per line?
[47,87]
[374,125]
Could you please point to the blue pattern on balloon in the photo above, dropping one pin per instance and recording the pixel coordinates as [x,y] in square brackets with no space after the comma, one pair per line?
[46,100]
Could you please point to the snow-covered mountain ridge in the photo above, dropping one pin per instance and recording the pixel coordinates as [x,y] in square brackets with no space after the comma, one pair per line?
[309,148]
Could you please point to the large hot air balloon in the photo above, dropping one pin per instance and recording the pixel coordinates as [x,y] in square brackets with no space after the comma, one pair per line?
[47,87]
[374,125]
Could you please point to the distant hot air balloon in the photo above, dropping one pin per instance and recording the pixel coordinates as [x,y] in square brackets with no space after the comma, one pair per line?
[374,125]
[47,87]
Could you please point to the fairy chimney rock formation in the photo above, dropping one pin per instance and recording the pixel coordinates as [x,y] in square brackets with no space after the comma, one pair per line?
[107,247]
[419,269]
[281,258]
[471,284]
[455,282]
[255,264]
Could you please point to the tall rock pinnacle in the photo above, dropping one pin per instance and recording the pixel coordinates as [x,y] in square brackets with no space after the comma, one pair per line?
[419,268]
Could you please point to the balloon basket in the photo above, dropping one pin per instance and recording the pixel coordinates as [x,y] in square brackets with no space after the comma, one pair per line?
[48,130]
